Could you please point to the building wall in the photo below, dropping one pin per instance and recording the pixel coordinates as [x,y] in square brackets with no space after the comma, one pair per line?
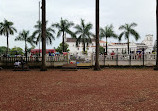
[148,40]
[78,51]
[147,43]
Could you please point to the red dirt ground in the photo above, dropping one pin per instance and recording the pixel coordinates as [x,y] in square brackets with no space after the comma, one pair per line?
[83,90]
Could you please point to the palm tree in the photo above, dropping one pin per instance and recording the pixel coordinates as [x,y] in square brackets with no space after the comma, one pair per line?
[43,68]
[107,32]
[127,31]
[84,34]
[6,29]
[24,36]
[63,28]
[97,66]
[156,67]
[37,33]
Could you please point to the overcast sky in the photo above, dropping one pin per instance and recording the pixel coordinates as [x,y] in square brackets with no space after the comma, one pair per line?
[24,14]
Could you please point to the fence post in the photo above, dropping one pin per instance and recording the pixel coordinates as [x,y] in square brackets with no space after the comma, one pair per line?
[6,60]
[26,56]
[117,58]
[92,59]
[68,59]
[130,58]
[104,57]
[53,59]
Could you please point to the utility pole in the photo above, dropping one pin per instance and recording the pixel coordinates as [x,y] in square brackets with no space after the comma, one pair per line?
[97,66]
[43,68]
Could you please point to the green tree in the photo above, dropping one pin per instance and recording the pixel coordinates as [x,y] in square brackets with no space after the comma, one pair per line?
[24,36]
[16,51]
[60,48]
[101,50]
[29,49]
[83,34]
[64,27]
[107,32]
[37,33]
[127,31]
[3,50]
[6,29]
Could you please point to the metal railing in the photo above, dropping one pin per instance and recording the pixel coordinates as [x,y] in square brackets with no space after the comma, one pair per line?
[61,58]
[117,59]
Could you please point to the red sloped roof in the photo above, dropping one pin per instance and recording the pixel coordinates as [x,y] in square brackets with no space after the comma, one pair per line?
[65,53]
[47,50]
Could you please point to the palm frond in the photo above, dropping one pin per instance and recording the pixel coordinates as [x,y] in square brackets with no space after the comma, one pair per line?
[129,30]
[83,33]
[122,27]
[6,28]
[120,36]
[37,34]
[132,25]
[135,34]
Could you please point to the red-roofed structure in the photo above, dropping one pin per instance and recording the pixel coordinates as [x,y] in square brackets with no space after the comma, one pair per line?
[35,51]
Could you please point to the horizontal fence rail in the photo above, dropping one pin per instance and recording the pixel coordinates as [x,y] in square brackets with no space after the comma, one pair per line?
[34,59]
[126,57]
[117,59]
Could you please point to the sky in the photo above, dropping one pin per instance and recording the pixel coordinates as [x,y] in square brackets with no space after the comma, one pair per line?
[24,14]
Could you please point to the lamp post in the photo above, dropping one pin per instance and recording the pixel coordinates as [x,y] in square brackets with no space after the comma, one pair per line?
[43,68]
[97,66]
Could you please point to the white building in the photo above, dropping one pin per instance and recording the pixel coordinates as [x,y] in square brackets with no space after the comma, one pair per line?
[120,48]
[78,51]
[149,42]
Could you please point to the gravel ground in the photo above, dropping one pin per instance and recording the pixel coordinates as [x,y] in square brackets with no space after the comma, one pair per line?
[83,90]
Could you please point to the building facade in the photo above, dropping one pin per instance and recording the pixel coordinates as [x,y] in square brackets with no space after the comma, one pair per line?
[120,48]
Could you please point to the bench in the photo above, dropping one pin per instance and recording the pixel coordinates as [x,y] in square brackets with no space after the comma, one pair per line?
[25,67]
[69,67]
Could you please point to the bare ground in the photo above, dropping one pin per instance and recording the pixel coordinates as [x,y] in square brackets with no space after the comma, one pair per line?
[83,90]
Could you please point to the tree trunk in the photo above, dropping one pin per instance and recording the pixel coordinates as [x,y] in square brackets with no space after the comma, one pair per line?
[7,44]
[157,32]
[63,43]
[156,67]
[84,47]
[39,26]
[43,68]
[25,48]
[106,46]
[128,45]
[97,66]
